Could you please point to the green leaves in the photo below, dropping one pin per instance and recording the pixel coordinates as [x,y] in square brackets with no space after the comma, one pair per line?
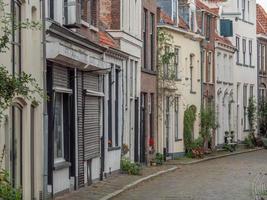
[207,121]
[251,112]
[23,85]
[189,120]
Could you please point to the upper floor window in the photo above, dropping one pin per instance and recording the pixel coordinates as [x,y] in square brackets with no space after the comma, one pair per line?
[243,9]
[166,64]
[191,71]
[152,40]
[209,68]
[16,37]
[244,44]
[176,61]
[263,57]
[89,11]
[250,52]
[237,49]
[192,21]
[208,27]
[145,37]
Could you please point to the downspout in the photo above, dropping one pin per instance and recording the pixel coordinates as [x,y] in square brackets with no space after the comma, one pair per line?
[45,115]
[76,129]
[201,72]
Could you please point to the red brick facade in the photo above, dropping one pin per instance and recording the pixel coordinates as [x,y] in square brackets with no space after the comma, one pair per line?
[208,45]
[148,75]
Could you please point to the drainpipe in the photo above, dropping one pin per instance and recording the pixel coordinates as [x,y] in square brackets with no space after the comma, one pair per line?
[76,128]
[201,72]
[45,115]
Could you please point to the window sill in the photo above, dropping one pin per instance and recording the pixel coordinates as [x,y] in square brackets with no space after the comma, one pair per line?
[251,66]
[178,140]
[114,148]
[239,64]
[149,71]
[61,165]
[87,25]
[193,92]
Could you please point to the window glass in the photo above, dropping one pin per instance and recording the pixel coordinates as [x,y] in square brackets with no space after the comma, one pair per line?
[58,127]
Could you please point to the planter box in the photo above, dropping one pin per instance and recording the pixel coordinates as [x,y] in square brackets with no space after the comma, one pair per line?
[264,140]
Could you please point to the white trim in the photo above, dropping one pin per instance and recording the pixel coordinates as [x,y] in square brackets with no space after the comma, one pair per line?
[62,90]
[94,93]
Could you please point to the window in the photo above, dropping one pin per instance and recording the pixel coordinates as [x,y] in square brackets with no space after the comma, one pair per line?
[209,68]
[145,38]
[192,21]
[152,40]
[176,109]
[243,9]
[117,94]
[16,147]
[131,78]
[237,49]
[176,61]
[262,92]
[191,72]
[151,120]
[244,43]
[166,64]
[58,128]
[16,37]
[259,57]
[88,11]
[251,91]
[245,104]
[208,27]
[51,9]
[250,52]
[114,108]
[167,122]
[263,58]
[110,131]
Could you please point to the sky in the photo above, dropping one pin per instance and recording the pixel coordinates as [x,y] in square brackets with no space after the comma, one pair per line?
[263,3]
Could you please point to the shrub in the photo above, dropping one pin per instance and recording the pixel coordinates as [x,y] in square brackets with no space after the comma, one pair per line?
[129,167]
[159,159]
[228,147]
[249,142]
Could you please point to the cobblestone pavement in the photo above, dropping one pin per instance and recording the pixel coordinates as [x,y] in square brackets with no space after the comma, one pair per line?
[229,178]
[115,182]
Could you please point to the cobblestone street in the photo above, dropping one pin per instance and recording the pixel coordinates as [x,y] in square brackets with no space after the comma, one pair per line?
[230,178]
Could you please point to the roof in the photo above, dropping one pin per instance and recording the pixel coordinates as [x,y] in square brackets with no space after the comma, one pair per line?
[261,20]
[201,5]
[223,40]
[106,40]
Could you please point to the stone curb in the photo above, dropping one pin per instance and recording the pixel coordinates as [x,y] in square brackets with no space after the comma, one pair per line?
[217,157]
[117,192]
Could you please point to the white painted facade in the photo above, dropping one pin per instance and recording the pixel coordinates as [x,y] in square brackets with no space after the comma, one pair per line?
[30,141]
[245,70]
[224,90]
[129,37]
[186,89]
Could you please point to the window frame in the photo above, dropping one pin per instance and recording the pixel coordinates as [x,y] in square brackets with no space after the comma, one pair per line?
[61,158]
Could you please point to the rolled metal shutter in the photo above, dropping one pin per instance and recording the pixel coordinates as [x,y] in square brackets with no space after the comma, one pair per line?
[91,117]
[91,127]
[80,129]
[60,77]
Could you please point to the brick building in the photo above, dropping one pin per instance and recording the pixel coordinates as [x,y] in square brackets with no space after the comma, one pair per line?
[148,110]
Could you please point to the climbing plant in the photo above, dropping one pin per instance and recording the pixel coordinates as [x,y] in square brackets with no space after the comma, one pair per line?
[207,122]
[263,117]
[189,120]
[12,85]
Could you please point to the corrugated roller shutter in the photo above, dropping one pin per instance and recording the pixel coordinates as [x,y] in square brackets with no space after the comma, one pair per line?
[60,77]
[91,81]
[80,129]
[91,127]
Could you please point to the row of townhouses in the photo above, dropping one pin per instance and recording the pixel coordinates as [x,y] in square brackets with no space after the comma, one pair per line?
[108,93]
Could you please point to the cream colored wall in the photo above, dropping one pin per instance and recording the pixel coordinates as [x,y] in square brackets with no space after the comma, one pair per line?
[32,64]
[186,98]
